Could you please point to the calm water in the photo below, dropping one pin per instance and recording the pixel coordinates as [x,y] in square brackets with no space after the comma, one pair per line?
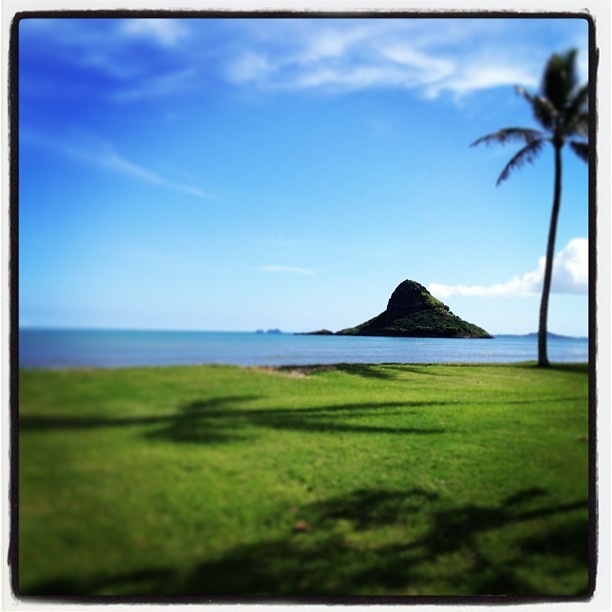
[80,348]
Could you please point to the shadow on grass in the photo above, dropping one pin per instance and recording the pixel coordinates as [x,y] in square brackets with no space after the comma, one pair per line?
[231,418]
[177,422]
[577,368]
[523,546]
[220,420]
[195,421]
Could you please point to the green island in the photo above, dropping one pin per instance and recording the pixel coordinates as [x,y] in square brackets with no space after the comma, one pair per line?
[425,480]
[412,312]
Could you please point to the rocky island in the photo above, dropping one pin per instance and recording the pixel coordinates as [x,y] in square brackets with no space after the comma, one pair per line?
[413,312]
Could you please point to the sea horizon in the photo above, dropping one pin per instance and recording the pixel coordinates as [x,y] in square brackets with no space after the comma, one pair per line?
[263,330]
[78,347]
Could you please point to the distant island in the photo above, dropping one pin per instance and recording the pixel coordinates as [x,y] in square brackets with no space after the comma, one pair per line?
[268,331]
[549,334]
[412,312]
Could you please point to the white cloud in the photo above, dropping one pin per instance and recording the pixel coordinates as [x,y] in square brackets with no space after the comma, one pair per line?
[133,77]
[166,32]
[571,268]
[570,275]
[302,271]
[425,68]
[250,67]
[429,56]
[478,75]
[113,161]
[331,43]
[100,153]
[139,57]
[159,85]
[408,54]
[357,77]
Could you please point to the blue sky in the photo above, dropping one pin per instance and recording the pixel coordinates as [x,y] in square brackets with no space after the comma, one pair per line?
[234,174]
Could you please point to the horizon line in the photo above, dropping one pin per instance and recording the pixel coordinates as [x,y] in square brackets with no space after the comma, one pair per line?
[257,330]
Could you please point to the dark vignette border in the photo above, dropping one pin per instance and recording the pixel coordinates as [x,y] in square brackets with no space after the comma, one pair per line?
[13,107]
[593,328]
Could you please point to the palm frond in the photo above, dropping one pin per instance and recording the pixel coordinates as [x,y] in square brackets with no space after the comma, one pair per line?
[543,110]
[525,156]
[571,72]
[559,79]
[581,149]
[579,100]
[510,135]
[576,115]
[581,125]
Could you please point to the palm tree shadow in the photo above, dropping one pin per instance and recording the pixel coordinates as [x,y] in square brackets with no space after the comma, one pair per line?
[215,420]
[231,418]
[325,559]
[205,420]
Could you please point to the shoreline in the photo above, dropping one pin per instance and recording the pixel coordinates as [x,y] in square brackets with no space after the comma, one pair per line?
[311,367]
[70,350]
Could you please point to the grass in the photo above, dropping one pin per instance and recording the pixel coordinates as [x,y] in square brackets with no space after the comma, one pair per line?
[344,480]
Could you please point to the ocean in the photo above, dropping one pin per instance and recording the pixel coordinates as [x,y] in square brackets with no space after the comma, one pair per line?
[55,348]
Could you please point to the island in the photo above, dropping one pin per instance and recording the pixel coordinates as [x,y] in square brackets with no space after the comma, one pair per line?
[320,332]
[412,312]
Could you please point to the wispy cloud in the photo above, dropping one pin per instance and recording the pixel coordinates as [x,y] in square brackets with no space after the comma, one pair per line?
[289,269]
[408,54]
[145,57]
[481,75]
[570,275]
[157,85]
[116,162]
[102,154]
[134,58]
[250,66]
[166,32]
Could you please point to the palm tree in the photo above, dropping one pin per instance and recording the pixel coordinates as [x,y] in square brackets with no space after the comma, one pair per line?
[561,110]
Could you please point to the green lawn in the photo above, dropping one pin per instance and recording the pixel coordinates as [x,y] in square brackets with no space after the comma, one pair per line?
[345,480]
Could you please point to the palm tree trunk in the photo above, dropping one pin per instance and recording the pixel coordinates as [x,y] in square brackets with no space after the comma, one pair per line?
[548,266]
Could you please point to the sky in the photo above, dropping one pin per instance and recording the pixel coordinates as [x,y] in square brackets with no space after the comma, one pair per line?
[254,173]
